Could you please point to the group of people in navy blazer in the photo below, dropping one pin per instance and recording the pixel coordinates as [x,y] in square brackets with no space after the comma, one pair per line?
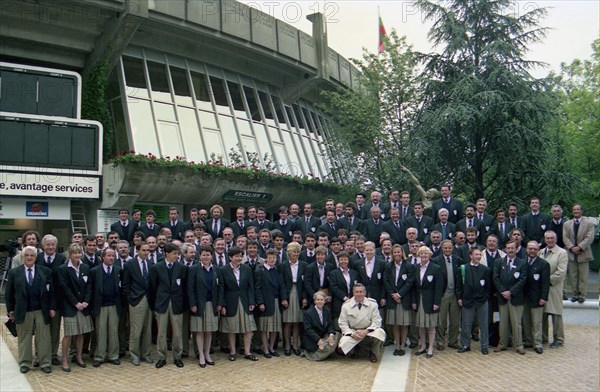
[213,279]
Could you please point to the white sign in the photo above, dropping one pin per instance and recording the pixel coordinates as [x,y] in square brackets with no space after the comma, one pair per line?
[29,208]
[106,218]
[49,185]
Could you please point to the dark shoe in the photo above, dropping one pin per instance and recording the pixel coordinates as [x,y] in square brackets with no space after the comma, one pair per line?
[267,355]
[66,369]
[287,353]
[413,345]
[475,338]
[115,361]
[297,352]
[23,369]
[565,297]
[232,357]
[210,363]
[464,349]
[574,299]
[440,347]
[556,344]
[178,363]
[421,352]
[184,355]
[402,352]
[429,355]
[55,361]
[372,357]
[259,351]
[251,357]
[484,351]
[81,364]
[581,300]
[97,363]
[397,352]
[275,353]
[160,363]
[539,350]
[47,369]
[202,365]
[36,362]
[456,346]
[521,351]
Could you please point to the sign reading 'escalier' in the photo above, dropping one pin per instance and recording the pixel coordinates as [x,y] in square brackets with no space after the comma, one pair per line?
[247,196]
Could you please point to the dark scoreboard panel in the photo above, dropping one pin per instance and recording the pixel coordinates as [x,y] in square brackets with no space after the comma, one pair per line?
[37,141]
[41,91]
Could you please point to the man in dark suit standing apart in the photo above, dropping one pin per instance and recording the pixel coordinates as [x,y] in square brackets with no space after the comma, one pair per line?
[239,224]
[535,223]
[174,224]
[419,221]
[136,288]
[124,226]
[395,228]
[537,287]
[150,228]
[106,308]
[452,205]
[167,290]
[509,277]
[578,235]
[51,259]
[556,224]
[31,304]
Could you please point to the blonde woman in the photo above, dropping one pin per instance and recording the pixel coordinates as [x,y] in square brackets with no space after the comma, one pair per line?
[292,272]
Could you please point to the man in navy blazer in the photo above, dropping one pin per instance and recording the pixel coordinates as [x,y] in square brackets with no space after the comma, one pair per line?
[537,288]
[176,226]
[167,293]
[125,227]
[452,205]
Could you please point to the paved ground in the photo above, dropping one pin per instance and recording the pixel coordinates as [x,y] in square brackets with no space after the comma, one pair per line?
[573,367]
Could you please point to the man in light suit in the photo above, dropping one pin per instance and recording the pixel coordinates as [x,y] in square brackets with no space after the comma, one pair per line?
[558,259]
[578,235]
[448,202]
[360,323]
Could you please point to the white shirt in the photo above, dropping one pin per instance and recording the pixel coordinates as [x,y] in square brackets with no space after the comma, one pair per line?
[236,273]
[369,266]
[70,265]
[32,273]
[294,268]
[346,275]
[422,270]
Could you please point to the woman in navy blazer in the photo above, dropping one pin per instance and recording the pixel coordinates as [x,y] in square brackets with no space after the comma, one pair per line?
[202,291]
[76,294]
[427,299]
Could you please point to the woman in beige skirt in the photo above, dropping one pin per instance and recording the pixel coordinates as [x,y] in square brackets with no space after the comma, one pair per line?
[292,273]
[398,280]
[236,302]
[429,290]
[76,290]
[269,292]
[202,290]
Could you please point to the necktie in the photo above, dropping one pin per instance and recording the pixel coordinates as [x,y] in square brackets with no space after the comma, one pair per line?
[123,224]
[220,260]
[576,229]
[170,265]
[512,222]
[144,269]
[443,231]
[30,276]
[321,274]
[151,257]
[252,261]
[470,223]
[49,260]
[404,212]
[359,306]
[502,228]
[92,260]
[310,254]
[445,201]
[215,227]
[481,217]
[108,271]
[242,225]
[546,252]
[321,317]
[448,260]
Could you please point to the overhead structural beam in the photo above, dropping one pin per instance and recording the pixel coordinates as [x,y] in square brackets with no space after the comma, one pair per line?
[117,34]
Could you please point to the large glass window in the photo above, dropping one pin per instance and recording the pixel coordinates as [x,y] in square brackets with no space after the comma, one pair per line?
[142,127]
[252,105]
[229,133]
[135,81]
[264,100]
[201,91]
[181,87]
[170,142]
[218,90]
[213,144]
[207,119]
[190,133]
[159,81]
[236,100]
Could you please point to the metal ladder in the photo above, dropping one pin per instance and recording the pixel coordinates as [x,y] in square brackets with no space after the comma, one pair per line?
[78,220]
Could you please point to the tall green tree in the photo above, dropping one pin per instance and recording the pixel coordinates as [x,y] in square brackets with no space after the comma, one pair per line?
[485,117]
[579,127]
[375,121]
